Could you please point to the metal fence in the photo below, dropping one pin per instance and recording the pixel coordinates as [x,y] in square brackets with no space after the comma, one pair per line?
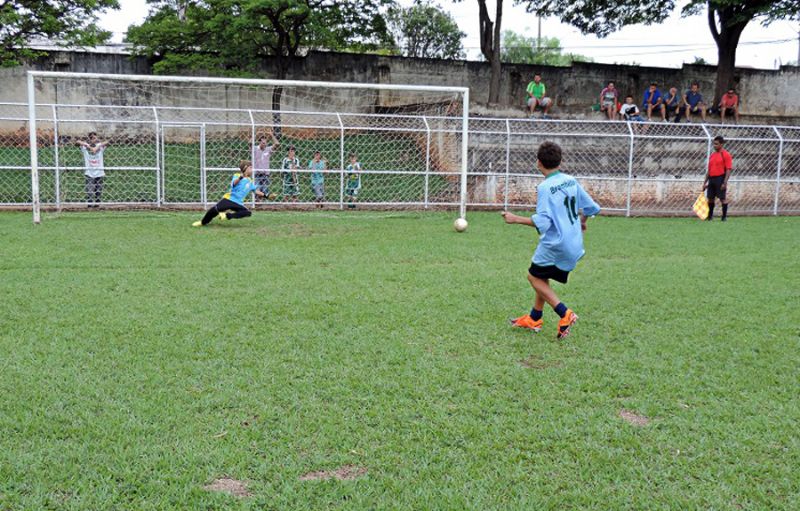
[161,157]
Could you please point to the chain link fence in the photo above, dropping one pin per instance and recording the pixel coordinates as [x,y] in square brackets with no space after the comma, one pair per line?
[166,156]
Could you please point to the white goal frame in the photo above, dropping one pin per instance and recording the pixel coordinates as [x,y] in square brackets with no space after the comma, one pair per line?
[32,105]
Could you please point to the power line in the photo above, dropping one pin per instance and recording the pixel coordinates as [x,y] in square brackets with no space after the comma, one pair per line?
[687,46]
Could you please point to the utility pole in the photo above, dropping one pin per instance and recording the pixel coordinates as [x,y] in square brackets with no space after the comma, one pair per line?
[539,35]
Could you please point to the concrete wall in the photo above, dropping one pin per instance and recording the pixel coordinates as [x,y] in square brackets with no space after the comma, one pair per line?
[768,95]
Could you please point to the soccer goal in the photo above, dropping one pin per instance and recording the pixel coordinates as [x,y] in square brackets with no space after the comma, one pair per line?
[125,141]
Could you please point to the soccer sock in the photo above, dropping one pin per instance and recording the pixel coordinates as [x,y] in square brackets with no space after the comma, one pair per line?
[710,209]
[560,309]
[724,210]
[536,315]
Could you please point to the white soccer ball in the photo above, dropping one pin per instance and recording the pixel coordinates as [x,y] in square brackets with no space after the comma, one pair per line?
[460,224]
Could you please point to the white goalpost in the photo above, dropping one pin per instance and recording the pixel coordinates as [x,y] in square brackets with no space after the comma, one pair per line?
[104,140]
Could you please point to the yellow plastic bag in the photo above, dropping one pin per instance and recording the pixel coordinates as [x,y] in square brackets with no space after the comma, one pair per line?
[700,207]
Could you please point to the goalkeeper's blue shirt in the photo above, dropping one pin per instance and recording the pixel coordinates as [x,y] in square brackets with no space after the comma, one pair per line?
[240,190]
[560,200]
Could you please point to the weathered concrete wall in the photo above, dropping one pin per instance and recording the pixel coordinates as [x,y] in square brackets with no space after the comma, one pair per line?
[765,93]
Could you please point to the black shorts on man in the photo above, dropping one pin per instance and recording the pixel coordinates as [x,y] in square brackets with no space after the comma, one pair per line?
[549,272]
[715,188]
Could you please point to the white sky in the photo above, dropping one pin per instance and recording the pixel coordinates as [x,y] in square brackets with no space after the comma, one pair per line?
[668,44]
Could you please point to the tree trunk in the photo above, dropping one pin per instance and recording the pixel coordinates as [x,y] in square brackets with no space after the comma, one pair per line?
[494,84]
[726,68]
[277,93]
[727,39]
[490,46]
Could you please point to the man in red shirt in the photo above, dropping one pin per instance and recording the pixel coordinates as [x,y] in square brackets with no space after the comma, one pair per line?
[729,105]
[716,183]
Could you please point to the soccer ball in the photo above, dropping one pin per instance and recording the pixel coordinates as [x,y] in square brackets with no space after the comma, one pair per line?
[460,224]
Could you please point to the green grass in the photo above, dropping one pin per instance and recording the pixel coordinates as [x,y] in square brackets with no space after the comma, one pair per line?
[140,359]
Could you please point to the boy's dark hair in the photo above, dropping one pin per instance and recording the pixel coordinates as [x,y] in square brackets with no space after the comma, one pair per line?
[549,154]
[262,137]
[653,83]
[291,148]
[694,83]
[629,96]
[719,139]
[351,155]
[92,134]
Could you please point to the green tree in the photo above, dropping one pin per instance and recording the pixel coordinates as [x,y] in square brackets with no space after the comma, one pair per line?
[231,37]
[67,22]
[518,49]
[424,30]
[727,20]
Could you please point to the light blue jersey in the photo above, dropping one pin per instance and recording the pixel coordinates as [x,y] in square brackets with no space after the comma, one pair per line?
[560,201]
[241,189]
[317,177]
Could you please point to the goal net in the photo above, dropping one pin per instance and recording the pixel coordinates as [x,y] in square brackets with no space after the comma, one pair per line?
[122,141]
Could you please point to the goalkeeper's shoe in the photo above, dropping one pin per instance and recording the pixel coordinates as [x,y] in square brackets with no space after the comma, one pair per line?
[197,224]
[565,323]
[528,322]
[222,216]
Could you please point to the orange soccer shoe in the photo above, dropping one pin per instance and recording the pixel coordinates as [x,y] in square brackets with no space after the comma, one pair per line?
[565,323]
[528,322]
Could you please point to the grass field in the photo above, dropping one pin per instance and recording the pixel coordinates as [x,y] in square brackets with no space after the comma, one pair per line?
[142,359]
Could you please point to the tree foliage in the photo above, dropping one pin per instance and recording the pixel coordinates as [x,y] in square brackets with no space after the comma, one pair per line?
[425,30]
[726,19]
[518,49]
[66,22]
[232,36]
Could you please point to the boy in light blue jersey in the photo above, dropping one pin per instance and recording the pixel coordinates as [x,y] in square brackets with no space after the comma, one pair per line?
[562,206]
[317,166]
[241,186]
[353,183]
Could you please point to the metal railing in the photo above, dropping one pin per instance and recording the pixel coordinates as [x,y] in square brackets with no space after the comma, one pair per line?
[162,156]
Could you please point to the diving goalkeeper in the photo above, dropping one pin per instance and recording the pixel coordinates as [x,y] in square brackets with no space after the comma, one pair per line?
[232,203]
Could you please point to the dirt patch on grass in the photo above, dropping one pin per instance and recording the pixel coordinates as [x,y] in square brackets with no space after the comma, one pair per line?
[288,230]
[534,362]
[634,418]
[249,421]
[230,486]
[343,473]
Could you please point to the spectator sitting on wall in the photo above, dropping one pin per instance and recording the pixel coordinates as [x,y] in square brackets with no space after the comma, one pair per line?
[729,105]
[537,96]
[694,102]
[653,102]
[672,104]
[629,111]
[608,101]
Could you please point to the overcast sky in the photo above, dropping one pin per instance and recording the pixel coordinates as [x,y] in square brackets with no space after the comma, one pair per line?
[668,44]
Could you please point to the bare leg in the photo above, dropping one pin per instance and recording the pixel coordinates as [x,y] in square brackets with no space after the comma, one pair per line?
[538,304]
[544,291]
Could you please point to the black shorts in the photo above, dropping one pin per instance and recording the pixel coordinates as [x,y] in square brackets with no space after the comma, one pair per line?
[715,188]
[548,272]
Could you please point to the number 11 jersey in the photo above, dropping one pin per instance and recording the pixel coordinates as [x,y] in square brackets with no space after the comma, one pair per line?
[560,200]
